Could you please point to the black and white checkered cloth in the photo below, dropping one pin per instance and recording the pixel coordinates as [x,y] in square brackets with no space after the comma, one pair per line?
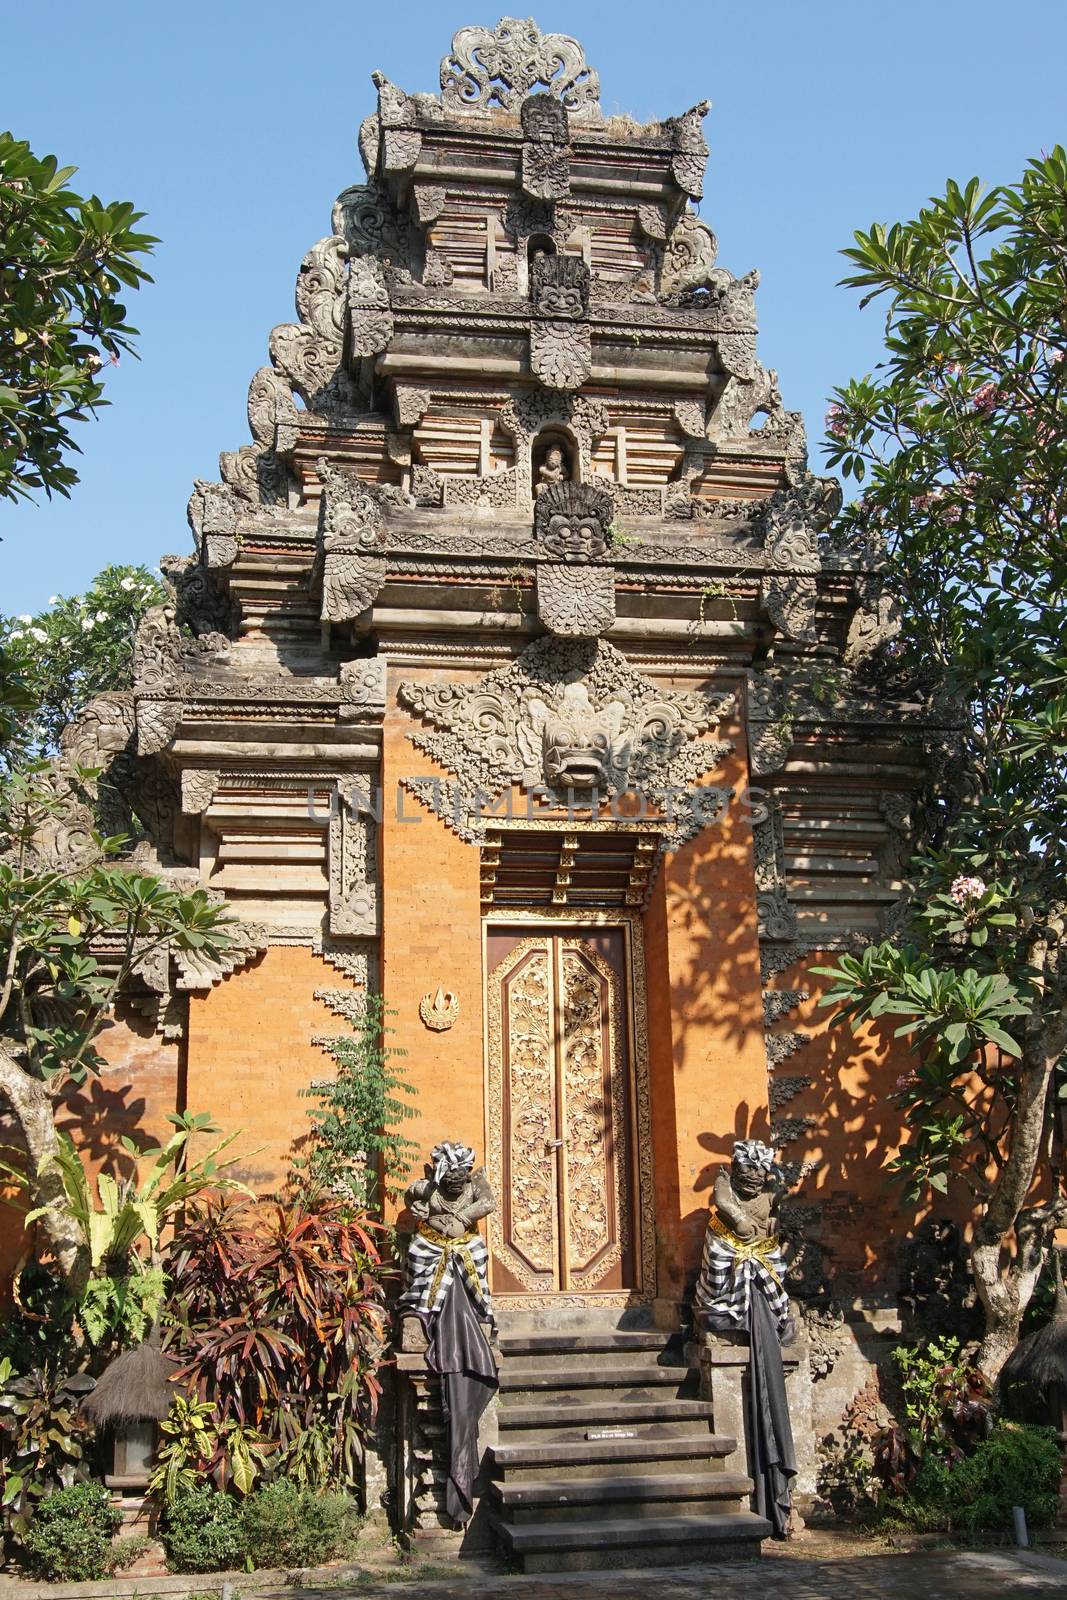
[433,1261]
[731,1269]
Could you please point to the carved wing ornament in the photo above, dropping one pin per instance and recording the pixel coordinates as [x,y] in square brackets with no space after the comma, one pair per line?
[566,716]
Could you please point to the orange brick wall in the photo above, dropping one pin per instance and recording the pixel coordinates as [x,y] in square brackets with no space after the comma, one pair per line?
[709,1077]
[131,1095]
[250,1054]
[431,938]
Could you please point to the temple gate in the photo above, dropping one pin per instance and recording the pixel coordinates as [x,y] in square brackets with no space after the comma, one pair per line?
[516,674]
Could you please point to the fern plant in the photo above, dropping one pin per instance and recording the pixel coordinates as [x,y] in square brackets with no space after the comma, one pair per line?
[357,1145]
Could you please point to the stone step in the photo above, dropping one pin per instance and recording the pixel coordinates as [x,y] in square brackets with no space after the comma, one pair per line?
[668,1494]
[649,1542]
[589,1375]
[611,1413]
[584,1343]
[559,1458]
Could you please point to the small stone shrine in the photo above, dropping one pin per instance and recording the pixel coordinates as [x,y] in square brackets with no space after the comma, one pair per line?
[516,674]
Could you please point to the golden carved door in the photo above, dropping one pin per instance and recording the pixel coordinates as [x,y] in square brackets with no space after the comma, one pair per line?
[561,1104]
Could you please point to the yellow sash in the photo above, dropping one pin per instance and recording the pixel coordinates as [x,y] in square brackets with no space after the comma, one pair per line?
[760,1250]
[449,1247]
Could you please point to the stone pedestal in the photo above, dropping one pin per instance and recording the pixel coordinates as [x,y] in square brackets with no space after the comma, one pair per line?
[723,1363]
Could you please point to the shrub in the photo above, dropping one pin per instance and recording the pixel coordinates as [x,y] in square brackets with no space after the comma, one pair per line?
[70,1536]
[279,1324]
[201,1532]
[286,1526]
[1016,1465]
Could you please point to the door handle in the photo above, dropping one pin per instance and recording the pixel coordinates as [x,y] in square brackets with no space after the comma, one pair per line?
[555,1144]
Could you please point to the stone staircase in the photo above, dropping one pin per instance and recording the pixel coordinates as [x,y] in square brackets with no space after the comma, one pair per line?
[606,1457]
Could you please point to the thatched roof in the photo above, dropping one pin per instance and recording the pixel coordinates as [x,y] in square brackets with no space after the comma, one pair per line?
[138,1386]
[1039,1360]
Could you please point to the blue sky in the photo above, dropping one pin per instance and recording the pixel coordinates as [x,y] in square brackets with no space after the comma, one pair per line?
[233,125]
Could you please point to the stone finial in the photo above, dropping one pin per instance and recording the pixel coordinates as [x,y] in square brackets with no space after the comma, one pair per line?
[496,68]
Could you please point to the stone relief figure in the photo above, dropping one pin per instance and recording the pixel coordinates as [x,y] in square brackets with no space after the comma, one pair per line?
[741,1251]
[741,1290]
[552,470]
[447,1288]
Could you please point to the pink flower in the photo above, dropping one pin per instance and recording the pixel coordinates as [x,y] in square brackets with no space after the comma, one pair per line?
[964,890]
[951,514]
[985,398]
[836,422]
[907,1081]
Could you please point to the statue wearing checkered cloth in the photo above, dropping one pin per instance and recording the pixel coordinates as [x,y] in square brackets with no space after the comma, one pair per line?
[448,1203]
[741,1253]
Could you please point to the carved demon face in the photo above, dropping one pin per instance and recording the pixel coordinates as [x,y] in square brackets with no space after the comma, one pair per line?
[582,746]
[575,536]
[560,300]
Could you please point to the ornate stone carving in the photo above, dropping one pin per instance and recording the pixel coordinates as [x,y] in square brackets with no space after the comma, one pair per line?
[563,717]
[439,1009]
[689,259]
[255,474]
[578,602]
[652,220]
[353,874]
[362,689]
[352,528]
[874,625]
[370,320]
[744,399]
[272,413]
[545,148]
[199,604]
[561,354]
[790,603]
[157,723]
[436,270]
[411,405]
[365,216]
[559,287]
[777,919]
[428,202]
[213,519]
[573,521]
[320,287]
[690,157]
[500,66]
[198,790]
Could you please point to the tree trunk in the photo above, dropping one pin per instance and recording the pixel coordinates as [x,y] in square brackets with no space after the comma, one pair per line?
[1010,1241]
[33,1110]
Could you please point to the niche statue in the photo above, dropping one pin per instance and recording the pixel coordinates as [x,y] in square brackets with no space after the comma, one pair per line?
[740,1291]
[447,1288]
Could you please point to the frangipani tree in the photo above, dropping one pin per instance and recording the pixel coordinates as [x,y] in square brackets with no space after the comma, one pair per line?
[960,442]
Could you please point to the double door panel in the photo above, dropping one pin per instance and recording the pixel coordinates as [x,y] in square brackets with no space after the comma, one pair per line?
[560,1111]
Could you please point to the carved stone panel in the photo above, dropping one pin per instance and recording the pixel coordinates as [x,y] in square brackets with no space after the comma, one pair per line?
[561,354]
[576,601]
[545,148]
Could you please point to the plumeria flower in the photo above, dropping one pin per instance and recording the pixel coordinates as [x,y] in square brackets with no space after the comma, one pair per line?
[39,634]
[964,890]
[25,618]
[87,623]
[836,422]
[985,398]
[53,599]
[127,584]
[101,616]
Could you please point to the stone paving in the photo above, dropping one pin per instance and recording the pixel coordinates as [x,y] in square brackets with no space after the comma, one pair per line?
[954,1575]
